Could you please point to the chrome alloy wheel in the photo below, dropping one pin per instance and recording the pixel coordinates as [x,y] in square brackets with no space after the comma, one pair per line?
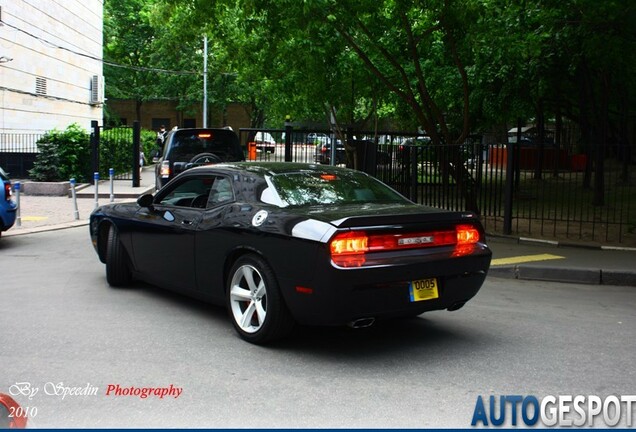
[248,298]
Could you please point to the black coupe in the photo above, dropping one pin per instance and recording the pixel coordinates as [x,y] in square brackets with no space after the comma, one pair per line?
[283,243]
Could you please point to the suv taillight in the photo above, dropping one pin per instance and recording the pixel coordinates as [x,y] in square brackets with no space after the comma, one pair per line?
[7,191]
[165,169]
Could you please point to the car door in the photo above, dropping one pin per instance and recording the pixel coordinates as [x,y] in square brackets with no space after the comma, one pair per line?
[163,244]
[214,238]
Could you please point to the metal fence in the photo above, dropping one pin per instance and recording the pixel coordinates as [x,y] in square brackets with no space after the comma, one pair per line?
[556,202]
[18,152]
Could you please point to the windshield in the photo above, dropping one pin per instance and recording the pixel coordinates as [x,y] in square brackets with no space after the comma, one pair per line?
[309,188]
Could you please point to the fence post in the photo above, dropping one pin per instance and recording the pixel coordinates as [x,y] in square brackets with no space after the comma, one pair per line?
[289,130]
[414,174]
[136,174]
[95,145]
[507,224]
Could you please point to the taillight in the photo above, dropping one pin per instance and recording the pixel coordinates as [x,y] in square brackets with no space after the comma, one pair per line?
[467,234]
[165,169]
[349,249]
[7,191]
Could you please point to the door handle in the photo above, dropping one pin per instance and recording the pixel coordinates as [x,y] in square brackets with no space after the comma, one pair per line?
[186,222]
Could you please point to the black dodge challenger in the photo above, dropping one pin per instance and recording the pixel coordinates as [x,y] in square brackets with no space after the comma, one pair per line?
[282,244]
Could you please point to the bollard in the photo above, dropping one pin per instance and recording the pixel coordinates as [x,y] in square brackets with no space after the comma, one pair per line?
[18,218]
[96,178]
[111,174]
[74,196]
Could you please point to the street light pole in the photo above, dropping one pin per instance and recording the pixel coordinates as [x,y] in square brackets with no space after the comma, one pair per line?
[205,81]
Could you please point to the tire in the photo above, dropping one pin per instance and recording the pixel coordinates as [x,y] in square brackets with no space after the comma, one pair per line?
[256,307]
[118,272]
[205,159]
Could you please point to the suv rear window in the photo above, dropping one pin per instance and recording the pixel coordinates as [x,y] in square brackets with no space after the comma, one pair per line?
[185,144]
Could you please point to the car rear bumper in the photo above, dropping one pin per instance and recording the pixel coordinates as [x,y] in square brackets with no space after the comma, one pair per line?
[337,296]
[7,214]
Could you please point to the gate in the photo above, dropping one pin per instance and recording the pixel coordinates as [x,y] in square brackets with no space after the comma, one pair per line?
[117,148]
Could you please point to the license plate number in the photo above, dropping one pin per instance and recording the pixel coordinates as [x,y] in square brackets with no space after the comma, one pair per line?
[423,289]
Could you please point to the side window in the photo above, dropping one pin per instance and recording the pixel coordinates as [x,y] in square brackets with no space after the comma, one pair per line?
[193,192]
[221,191]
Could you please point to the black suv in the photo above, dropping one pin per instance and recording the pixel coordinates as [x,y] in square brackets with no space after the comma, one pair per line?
[185,148]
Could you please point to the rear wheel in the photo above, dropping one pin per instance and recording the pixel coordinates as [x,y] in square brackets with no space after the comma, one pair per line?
[257,309]
[118,272]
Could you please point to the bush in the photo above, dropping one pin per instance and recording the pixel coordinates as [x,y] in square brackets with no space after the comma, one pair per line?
[65,155]
[115,150]
[62,155]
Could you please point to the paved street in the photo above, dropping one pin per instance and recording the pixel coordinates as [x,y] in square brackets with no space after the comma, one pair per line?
[61,323]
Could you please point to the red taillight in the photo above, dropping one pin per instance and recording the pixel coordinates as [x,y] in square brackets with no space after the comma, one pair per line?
[348,249]
[7,191]
[351,242]
[467,234]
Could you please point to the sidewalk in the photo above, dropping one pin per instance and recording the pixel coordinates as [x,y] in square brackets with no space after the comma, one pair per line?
[515,258]
[46,213]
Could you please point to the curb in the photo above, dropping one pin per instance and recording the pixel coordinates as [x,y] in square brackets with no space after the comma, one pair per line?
[565,275]
[559,244]
[45,228]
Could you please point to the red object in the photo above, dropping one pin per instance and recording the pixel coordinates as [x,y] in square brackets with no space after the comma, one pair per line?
[251,151]
[15,422]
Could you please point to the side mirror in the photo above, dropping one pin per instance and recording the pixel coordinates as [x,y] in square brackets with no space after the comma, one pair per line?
[145,201]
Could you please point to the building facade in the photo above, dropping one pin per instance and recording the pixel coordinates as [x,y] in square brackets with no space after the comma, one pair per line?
[153,114]
[50,65]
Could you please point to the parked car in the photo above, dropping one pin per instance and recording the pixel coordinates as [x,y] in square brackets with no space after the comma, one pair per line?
[281,244]
[185,148]
[323,153]
[7,206]
[265,142]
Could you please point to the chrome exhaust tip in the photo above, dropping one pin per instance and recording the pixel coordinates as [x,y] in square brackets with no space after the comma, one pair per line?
[362,323]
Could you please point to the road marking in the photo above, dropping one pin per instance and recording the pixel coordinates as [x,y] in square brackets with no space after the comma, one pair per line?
[524,259]
[33,218]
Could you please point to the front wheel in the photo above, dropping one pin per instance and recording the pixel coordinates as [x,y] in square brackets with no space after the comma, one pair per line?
[257,309]
[118,272]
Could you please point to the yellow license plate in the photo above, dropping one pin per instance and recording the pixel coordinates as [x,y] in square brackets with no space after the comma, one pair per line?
[423,289]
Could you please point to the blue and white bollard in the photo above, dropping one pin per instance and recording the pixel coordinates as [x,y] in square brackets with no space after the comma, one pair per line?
[111,174]
[18,218]
[96,179]
[74,196]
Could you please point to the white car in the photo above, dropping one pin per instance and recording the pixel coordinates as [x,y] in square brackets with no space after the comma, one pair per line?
[265,142]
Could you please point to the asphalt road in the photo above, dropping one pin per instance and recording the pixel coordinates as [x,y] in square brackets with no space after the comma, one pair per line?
[61,323]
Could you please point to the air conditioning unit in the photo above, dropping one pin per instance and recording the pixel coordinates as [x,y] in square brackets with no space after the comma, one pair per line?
[97,90]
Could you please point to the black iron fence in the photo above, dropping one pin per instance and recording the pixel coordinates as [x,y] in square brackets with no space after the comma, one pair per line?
[116,148]
[559,201]
[18,152]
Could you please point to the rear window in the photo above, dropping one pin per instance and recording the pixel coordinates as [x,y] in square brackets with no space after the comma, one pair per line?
[309,188]
[186,144]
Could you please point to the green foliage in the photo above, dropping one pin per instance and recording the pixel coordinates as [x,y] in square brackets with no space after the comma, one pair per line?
[63,155]
[115,149]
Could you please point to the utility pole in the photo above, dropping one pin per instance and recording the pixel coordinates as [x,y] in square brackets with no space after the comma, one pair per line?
[205,81]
